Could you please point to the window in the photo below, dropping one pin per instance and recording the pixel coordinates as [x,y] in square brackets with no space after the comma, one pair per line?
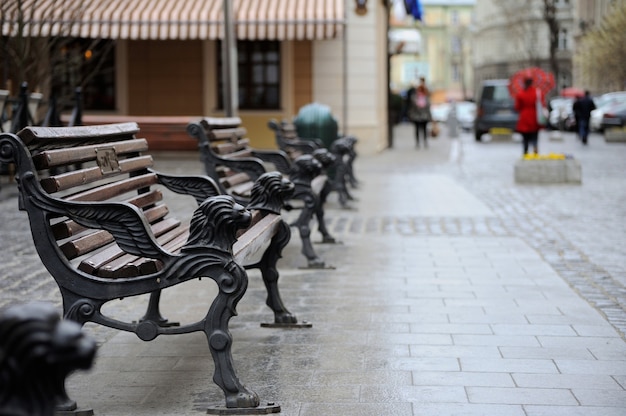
[455,45]
[563,39]
[89,64]
[454,17]
[456,72]
[258,65]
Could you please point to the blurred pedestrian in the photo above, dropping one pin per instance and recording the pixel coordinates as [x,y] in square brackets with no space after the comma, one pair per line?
[419,110]
[583,106]
[452,122]
[527,124]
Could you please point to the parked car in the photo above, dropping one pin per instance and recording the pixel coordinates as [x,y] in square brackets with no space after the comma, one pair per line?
[464,111]
[604,103]
[495,109]
[614,117]
[562,114]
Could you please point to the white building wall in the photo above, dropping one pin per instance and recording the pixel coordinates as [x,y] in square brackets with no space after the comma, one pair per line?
[328,67]
[349,75]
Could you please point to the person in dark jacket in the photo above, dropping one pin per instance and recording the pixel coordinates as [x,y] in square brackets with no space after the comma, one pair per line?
[418,104]
[583,107]
[526,106]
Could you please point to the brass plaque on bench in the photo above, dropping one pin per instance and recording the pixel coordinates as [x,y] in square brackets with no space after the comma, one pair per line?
[107,160]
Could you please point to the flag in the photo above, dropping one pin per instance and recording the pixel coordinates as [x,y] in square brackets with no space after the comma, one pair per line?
[415,9]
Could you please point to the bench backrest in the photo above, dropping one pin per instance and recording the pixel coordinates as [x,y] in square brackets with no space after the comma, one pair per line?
[227,155]
[227,137]
[100,163]
[288,141]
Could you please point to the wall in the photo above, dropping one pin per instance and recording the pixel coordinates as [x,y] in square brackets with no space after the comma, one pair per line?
[350,76]
[302,74]
[165,78]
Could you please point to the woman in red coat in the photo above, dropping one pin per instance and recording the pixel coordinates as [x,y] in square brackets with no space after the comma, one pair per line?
[526,106]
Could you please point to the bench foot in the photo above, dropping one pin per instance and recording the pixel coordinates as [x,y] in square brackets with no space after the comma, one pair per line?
[267,265]
[303,324]
[77,412]
[329,240]
[317,265]
[263,409]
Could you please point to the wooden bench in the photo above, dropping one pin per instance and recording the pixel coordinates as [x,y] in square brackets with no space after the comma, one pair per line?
[104,232]
[340,171]
[229,159]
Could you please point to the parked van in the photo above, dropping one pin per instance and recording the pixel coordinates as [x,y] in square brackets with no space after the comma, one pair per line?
[495,112]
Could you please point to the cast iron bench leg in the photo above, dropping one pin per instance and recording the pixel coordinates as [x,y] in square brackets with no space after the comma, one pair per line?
[267,265]
[303,221]
[232,286]
[319,213]
[153,313]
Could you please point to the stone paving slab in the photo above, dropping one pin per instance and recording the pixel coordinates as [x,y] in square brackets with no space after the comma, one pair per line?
[418,362]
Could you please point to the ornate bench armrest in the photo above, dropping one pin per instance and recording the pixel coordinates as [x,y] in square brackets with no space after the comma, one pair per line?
[198,186]
[126,223]
[276,157]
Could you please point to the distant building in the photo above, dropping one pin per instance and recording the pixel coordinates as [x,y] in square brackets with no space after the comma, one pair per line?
[511,35]
[444,56]
[588,15]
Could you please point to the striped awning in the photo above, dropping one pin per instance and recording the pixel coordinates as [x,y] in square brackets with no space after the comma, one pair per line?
[174,19]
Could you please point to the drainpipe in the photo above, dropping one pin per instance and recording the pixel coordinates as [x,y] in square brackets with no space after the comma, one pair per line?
[229,62]
[344,115]
[388,79]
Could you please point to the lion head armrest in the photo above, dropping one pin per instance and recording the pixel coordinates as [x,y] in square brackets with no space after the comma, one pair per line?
[270,192]
[37,352]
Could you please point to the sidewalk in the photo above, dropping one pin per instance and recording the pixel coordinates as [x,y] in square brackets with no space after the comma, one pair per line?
[455,293]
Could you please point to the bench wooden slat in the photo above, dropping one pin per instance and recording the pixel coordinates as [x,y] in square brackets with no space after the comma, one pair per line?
[242,190]
[70,155]
[172,241]
[221,122]
[230,145]
[254,237]
[238,154]
[235,179]
[226,133]
[89,175]
[224,149]
[112,190]
[86,244]
[42,135]
[66,228]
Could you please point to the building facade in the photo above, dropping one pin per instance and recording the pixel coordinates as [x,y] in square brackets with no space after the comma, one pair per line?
[511,35]
[588,16]
[444,56]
